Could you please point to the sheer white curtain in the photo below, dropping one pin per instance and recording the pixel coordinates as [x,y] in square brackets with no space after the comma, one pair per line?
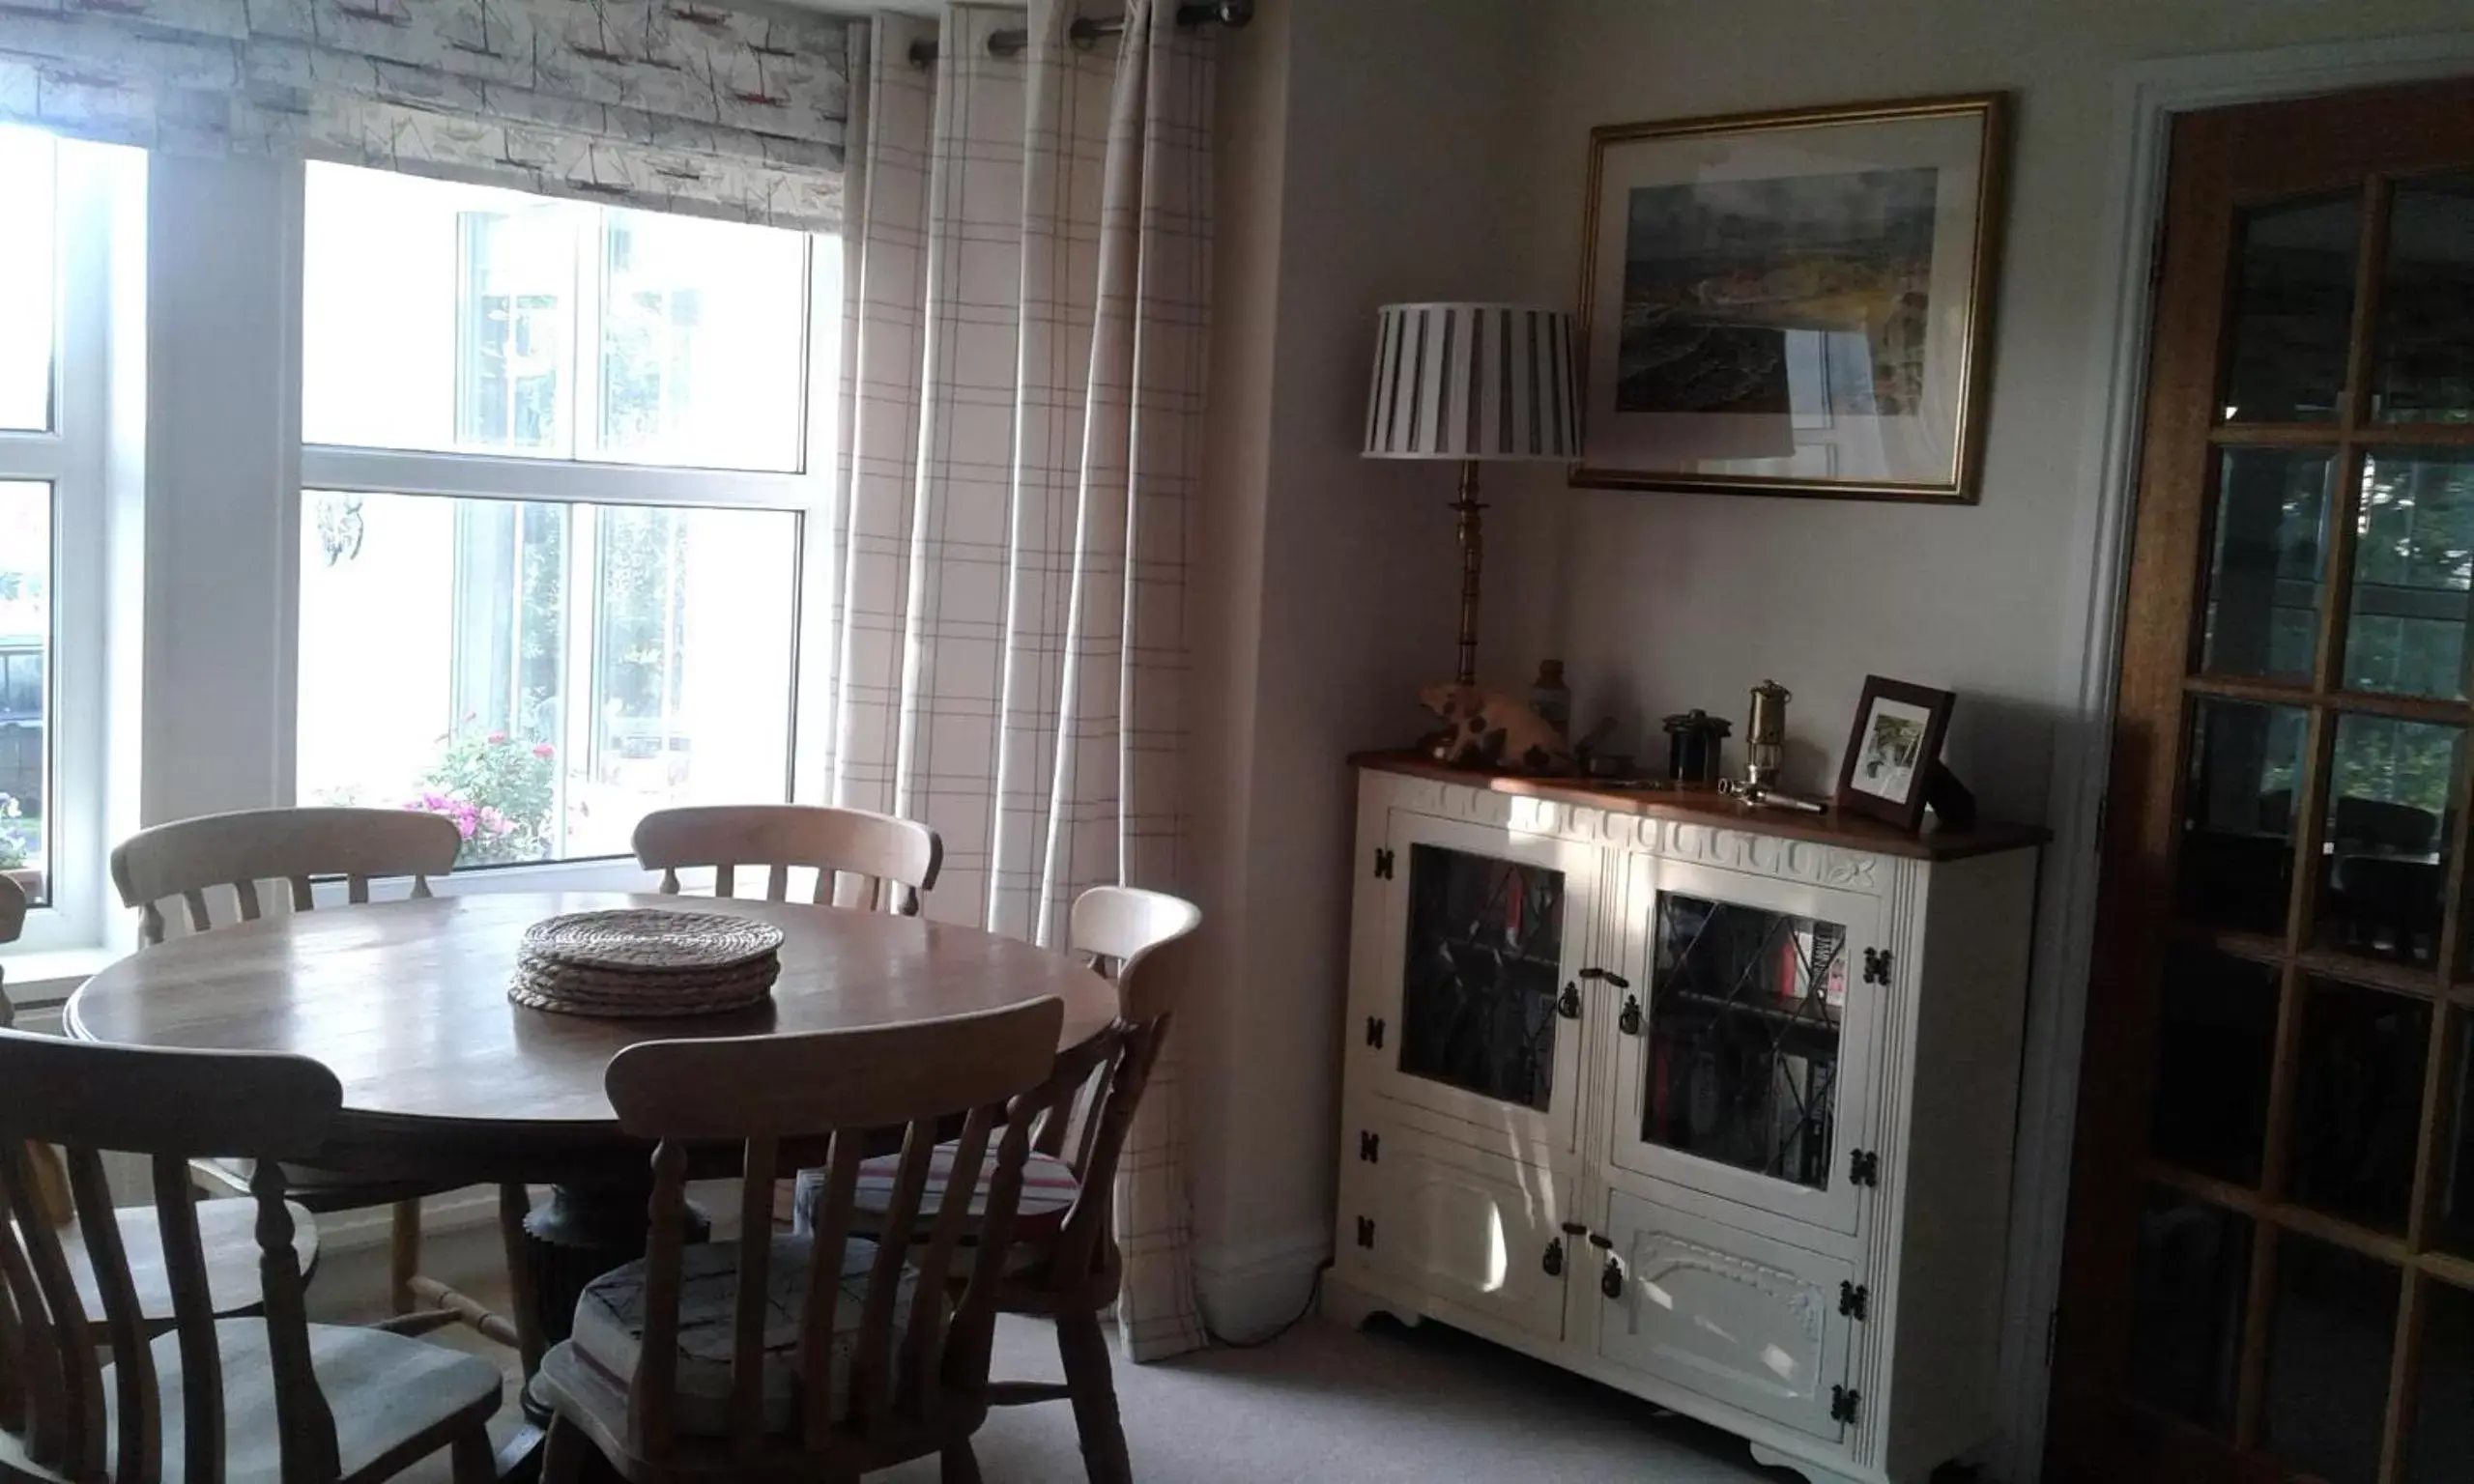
[1027,262]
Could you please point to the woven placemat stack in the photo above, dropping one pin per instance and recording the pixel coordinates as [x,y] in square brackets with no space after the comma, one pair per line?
[635,961]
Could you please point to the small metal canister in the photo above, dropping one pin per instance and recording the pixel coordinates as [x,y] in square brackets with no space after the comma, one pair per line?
[1693,742]
[1764,735]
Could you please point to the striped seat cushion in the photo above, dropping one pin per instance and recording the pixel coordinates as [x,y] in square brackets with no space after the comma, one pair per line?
[1049,1191]
[609,1334]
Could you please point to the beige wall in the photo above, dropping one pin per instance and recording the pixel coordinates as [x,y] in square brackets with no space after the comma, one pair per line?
[1331,584]
[1381,149]
[1663,602]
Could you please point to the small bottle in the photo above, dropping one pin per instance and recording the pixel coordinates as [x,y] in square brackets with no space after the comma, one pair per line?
[1551,698]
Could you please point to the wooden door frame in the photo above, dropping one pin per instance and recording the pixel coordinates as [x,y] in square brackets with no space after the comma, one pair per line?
[2148,96]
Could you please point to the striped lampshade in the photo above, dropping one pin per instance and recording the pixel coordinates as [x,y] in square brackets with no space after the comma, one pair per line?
[1473,382]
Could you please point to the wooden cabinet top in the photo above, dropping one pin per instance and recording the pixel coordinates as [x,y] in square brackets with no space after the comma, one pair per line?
[1695,806]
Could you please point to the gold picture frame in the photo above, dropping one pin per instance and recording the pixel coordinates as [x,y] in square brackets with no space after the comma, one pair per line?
[1801,300]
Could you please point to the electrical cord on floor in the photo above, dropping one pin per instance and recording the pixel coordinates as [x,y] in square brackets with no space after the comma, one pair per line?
[1314,1294]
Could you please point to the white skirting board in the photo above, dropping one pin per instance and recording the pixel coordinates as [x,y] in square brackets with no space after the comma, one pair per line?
[1248,1290]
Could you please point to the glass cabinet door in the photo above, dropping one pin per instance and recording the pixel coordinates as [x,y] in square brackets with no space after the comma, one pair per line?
[1743,1023]
[1743,1061]
[1477,1015]
[1480,970]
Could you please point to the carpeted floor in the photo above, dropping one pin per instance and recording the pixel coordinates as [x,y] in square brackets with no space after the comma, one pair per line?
[1386,1405]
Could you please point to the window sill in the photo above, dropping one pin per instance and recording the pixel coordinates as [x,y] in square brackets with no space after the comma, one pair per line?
[46,977]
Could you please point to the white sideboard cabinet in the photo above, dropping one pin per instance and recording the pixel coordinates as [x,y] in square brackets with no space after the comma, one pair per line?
[1712,1105]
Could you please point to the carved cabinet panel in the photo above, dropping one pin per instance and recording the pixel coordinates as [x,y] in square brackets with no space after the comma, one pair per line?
[1731,1314]
[1479,1234]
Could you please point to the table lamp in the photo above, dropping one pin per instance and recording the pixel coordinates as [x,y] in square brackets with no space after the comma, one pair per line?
[1473,382]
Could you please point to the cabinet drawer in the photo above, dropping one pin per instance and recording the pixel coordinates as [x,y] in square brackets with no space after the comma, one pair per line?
[1739,1317]
[1464,1230]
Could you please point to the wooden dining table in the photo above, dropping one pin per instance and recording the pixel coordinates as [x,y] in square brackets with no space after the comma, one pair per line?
[447,1082]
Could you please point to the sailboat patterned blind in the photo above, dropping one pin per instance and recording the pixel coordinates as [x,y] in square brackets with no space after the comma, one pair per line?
[675,105]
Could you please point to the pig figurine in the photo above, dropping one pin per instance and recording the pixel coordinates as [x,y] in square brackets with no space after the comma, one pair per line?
[1493,730]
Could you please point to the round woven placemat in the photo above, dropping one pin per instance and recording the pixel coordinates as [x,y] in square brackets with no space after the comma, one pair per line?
[635,963]
[650,940]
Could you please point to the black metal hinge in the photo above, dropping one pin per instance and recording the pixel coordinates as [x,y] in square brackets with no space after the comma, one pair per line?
[1851,1299]
[1863,1167]
[1369,1146]
[1844,1405]
[1374,1032]
[1383,864]
[1365,1232]
[1877,965]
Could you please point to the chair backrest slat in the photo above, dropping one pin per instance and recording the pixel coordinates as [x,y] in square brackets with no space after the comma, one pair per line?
[46,1359]
[188,857]
[923,1338]
[747,1321]
[815,1325]
[192,1320]
[136,1413]
[797,1091]
[891,860]
[172,1106]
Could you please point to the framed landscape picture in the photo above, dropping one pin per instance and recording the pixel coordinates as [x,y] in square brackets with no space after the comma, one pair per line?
[1791,303]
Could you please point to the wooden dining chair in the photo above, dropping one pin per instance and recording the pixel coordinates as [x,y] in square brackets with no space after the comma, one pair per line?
[860,859]
[1066,1264]
[822,1357]
[188,858]
[215,1399]
[226,1239]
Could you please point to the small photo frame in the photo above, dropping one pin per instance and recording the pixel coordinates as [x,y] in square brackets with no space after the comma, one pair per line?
[1894,750]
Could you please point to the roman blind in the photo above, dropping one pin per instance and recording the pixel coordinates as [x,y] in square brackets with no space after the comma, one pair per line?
[677,105]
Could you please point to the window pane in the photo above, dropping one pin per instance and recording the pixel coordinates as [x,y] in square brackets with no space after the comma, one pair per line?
[2187,1308]
[2328,1349]
[2384,868]
[2270,561]
[436,316]
[543,674]
[25,644]
[2426,364]
[2359,1103]
[2237,830]
[701,327]
[26,286]
[2291,307]
[452,318]
[2442,1440]
[2214,1045]
[2413,573]
[2453,1180]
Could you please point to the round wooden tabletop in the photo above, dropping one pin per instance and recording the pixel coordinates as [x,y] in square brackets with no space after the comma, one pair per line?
[407,1001]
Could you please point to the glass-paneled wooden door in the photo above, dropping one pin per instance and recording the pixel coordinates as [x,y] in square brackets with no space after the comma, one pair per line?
[2270,1269]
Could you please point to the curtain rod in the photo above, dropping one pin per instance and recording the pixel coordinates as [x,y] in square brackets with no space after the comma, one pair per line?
[1087,31]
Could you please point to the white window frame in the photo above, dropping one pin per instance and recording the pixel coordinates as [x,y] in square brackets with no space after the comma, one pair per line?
[96,210]
[808,494]
[179,469]
[254,210]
